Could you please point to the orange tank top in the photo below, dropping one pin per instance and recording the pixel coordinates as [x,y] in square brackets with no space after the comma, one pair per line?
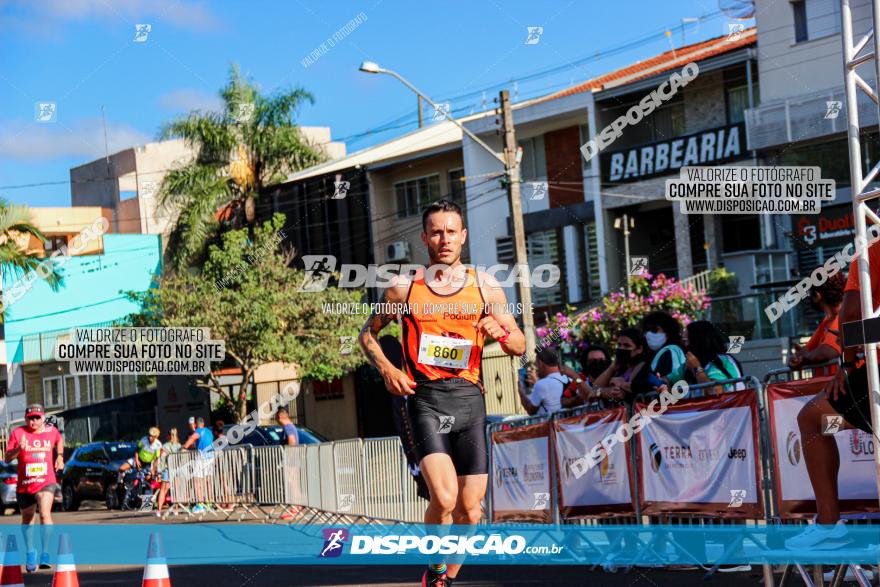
[439,337]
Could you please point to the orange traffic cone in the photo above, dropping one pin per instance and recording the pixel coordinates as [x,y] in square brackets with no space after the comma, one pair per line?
[156,570]
[65,568]
[10,569]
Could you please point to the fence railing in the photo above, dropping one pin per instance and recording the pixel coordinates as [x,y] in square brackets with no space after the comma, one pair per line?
[699,280]
[370,479]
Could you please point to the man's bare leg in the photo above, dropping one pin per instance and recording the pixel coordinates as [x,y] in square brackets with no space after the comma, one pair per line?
[821,456]
[468,508]
[442,482]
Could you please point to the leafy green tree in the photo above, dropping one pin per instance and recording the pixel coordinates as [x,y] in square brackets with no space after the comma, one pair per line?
[249,297]
[252,143]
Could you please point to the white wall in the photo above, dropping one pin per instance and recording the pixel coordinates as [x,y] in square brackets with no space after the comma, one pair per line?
[787,69]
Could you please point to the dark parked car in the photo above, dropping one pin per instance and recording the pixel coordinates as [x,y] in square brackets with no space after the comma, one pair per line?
[273,435]
[92,473]
[8,483]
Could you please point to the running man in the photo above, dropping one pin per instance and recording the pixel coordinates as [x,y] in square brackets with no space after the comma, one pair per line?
[442,352]
[33,445]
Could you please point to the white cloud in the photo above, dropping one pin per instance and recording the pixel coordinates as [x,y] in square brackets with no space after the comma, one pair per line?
[32,141]
[186,100]
[179,13]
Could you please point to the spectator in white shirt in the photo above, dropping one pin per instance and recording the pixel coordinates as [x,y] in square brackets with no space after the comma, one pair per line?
[547,390]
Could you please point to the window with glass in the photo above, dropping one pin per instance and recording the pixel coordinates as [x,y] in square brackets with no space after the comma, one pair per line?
[102,387]
[415,194]
[53,392]
[667,122]
[814,19]
[534,161]
[738,102]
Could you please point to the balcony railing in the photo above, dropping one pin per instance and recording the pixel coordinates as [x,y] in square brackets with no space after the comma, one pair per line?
[801,118]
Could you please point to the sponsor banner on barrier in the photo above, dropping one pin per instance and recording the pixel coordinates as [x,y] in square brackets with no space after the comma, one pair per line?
[492,544]
[701,456]
[521,474]
[856,480]
[605,489]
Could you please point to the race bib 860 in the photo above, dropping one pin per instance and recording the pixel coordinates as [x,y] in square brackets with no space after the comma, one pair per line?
[444,351]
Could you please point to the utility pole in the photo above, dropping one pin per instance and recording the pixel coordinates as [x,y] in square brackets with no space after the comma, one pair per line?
[511,167]
[626,251]
[421,115]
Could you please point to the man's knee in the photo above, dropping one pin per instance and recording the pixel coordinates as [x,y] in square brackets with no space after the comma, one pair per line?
[471,514]
[444,499]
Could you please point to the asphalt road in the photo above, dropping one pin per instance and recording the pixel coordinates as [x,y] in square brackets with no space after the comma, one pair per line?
[326,576]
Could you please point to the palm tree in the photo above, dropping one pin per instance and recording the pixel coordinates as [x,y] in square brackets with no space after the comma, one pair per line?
[15,221]
[253,143]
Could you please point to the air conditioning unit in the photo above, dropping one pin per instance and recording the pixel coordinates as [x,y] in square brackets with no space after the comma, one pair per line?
[397,251]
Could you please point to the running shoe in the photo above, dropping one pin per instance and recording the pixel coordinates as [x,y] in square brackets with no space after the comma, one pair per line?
[432,579]
[869,574]
[734,568]
[819,536]
[44,561]
[30,564]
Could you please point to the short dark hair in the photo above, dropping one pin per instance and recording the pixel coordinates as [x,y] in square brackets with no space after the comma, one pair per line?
[831,290]
[635,335]
[549,357]
[442,205]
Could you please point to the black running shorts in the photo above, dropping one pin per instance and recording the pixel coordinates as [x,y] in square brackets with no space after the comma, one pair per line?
[854,405]
[449,416]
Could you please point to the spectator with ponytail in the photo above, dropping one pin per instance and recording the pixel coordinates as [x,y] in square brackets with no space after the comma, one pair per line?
[707,358]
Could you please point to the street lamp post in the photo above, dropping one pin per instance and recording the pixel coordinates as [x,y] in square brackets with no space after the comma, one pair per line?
[511,169]
[626,223]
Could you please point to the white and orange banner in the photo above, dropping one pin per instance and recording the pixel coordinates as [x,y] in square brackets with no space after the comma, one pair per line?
[856,479]
[605,489]
[702,456]
[520,474]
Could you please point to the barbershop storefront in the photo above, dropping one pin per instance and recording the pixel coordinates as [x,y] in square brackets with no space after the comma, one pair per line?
[703,125]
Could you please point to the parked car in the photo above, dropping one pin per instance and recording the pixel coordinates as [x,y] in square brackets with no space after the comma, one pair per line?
[92,473]
[274,435]
[8,483]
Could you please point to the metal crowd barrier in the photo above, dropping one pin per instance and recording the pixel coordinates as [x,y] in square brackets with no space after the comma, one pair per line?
[220,482]
[331,482]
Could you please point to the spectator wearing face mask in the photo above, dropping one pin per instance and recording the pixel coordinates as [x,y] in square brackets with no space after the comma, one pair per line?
[630,374]
[594,361]
[663,335]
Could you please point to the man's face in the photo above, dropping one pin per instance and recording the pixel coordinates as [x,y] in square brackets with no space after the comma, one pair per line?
[444,236]
[153,438]
[540,367]
[34,422]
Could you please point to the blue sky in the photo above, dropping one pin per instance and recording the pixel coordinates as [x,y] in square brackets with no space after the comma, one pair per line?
[81,55]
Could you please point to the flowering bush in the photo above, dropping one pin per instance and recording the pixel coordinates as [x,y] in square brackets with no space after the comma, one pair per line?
[617,310]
